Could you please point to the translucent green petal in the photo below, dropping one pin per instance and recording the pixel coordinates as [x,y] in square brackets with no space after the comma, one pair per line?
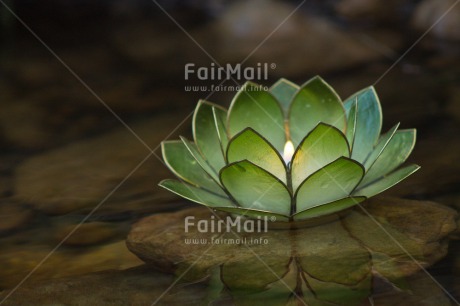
[386,182]
[253,187]
[182,163]
[254,213]
[351,124]
[206,135]
[200,159]
[335,181]
[395,153]
[249,145]
[284,90]
[369,122]
[328,208]
[380,147]
[195,194]
[323,145]
[315,102]
[258,109]
[220,121]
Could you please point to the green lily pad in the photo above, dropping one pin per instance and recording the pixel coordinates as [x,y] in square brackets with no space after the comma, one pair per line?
[380,147]
[200,159]
[351,124]
[284,90]
[313,103]
[335,181]
[206,135]
[394,154]
[182,163]
[328,208]
[321,146]
[220,121]
[196,194]
[258,109]
[386,182]
[368,124]
[253,187]
[249,145]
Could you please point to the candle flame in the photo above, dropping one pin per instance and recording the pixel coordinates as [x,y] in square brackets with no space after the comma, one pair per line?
[288,151]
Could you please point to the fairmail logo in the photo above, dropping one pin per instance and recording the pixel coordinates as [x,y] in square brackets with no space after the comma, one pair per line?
[227,72]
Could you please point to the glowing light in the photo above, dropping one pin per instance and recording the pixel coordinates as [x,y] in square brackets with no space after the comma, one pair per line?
[288,151]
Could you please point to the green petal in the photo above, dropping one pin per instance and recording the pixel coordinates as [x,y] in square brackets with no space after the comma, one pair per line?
[220,119]
[200,159]
[182,163]
[368,124]
[206,135]
[253,187]
[258,109]
[328,208]
[386,182]
[249,145]
[351,124]
[254,213]
[380,147]
[395,153]
[323,145]
[284,90]
[335,181]
[315,102]
[195,194]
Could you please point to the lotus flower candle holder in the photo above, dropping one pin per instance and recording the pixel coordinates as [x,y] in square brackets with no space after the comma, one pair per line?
[292,152]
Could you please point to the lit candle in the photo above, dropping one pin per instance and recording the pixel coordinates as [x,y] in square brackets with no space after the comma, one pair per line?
[288,152]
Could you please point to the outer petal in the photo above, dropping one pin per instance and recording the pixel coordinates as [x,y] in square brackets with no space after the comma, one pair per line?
[220,121]
[249,145]
[258,109]
[200,159]
[253,213]
[315,102]
[196,194]
[394,154]
[206,135]
[284,90]
[328,208]
[322,145]
[333,182]
[380,147]
[252,187]
[386,182]
[369,122]
[182,163]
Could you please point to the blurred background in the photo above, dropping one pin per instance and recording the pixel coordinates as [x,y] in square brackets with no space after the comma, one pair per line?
[64,151]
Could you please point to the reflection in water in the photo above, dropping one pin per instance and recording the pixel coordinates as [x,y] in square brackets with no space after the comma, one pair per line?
[339,263]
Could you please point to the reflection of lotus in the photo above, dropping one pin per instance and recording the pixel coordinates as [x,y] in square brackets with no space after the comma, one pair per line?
[236,162]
